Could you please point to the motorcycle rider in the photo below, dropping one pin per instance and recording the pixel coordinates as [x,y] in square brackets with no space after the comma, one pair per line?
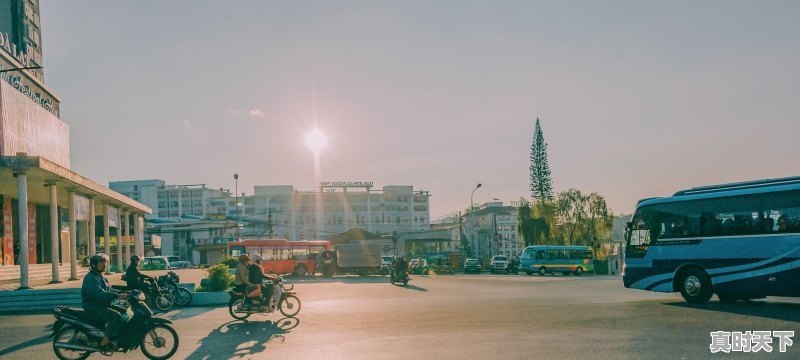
[400,267]
[96,297]
[256,275]
[241,281]
[133,277]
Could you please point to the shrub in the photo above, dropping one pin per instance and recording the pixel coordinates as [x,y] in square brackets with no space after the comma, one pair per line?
[218,279]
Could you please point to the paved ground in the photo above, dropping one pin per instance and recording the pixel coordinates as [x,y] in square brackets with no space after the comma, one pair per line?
[457,317]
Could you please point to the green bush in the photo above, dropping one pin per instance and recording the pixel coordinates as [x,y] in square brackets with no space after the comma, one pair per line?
[218,279]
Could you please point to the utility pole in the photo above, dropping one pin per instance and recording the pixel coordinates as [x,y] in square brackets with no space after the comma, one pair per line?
[270,229]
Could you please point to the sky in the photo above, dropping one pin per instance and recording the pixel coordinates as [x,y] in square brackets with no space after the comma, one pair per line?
[636,99]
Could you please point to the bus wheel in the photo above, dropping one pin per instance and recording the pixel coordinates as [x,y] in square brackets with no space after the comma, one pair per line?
[300,270]
[696,286]
[578,271]
[528,272]
[542,271]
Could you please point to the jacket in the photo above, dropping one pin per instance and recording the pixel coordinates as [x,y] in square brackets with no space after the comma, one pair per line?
[255,274]
[95,291]
[241,276]
[133,277]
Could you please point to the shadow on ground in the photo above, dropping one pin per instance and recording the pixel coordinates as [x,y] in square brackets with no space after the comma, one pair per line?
[33,342]
[237,339]
[765,309]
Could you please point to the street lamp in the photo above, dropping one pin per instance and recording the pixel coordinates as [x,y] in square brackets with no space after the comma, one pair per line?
[236,197]
[471,208]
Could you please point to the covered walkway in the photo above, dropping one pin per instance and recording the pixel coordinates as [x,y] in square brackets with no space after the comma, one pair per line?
[50,215]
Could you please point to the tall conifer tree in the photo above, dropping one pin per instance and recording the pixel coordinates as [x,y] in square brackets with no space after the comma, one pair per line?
[541,182]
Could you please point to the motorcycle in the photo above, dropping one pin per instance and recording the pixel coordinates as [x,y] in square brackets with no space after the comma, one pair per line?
[76,335]
[393,278]
[283,299]
[170,281]
[155,296]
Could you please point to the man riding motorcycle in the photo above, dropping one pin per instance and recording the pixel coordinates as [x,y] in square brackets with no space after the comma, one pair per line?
[96,297]
[255,274]
[400,267]
[133,277]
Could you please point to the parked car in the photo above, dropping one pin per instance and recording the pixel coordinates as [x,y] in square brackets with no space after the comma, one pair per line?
[418,267]
[499,263]
[155,263]
[181,265]
[472,265]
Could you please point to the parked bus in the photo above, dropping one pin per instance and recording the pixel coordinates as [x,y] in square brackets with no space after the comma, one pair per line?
[740,241]
[282,256]
[544,259]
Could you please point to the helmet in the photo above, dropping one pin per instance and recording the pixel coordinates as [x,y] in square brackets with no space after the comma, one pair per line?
[243,258]
[134,259]
[256,258]
[96,259]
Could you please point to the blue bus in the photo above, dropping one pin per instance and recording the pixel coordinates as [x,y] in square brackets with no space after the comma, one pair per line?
[739,241]
[551,259]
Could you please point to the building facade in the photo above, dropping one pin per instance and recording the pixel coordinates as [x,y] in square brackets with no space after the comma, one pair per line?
[492,230]
[21,33]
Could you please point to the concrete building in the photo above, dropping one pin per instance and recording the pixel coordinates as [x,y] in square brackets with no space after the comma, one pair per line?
[197,240]
[342,206]
[492,230]
[49,213]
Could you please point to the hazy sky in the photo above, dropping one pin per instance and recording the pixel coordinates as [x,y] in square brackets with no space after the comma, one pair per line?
[636,99]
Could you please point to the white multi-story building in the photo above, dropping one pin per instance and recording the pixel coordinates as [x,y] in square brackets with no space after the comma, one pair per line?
[171,201]
[337,207]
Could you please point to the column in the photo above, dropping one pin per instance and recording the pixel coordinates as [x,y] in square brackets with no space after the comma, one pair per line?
[140,226]
[92,229]
[137,235]
[107,237]
[127,233]
[55,239]
[22,191]
[119,242]
[73,241]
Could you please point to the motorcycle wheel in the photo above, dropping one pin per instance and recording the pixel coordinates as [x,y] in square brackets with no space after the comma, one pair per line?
[290,306]
[164,302]
[182,297]
[232,305]
[69,334]
[160,337]
[405,282]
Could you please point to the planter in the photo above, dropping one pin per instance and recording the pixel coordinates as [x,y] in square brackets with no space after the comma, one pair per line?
[210,298]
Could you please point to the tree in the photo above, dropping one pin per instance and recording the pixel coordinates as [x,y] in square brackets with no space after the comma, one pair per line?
[541,182]
[533,224]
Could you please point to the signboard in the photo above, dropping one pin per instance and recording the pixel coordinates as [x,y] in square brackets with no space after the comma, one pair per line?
[8,232]
[346,184]
[113,216]
[81,205]
[20,81]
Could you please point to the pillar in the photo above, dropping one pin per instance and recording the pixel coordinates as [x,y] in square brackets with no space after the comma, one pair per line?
[92,228]
[127,233]
[137,234]
[55,239]
[22,191]
[119,241]
[73,241]
[106,237]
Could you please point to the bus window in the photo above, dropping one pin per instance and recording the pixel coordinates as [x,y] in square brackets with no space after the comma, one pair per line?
[563,254]
[527,254]
[540,255]
[552,254]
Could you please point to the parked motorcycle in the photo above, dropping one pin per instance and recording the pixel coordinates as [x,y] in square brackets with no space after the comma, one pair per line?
[156,297]
[283,299]
[170,281]
[76,335]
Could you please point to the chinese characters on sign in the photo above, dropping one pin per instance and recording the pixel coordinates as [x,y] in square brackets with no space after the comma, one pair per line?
[749,341]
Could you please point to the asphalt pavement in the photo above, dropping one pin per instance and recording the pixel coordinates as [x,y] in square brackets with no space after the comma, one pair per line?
[456,317]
